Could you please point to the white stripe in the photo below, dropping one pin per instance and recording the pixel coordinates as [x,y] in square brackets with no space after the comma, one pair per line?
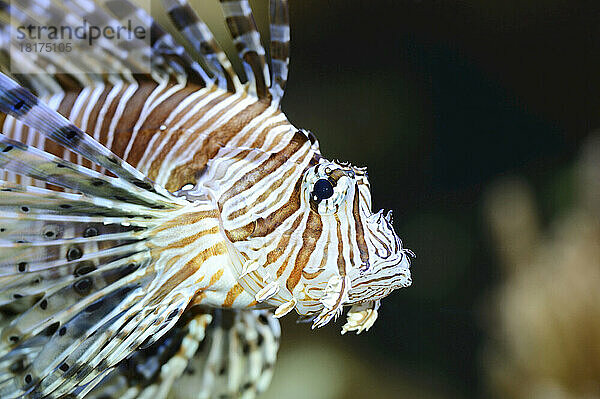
[280,33]
[112,94]
[251,42]
[129,92]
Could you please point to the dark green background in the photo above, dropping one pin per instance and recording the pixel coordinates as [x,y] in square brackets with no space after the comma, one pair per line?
[438,99]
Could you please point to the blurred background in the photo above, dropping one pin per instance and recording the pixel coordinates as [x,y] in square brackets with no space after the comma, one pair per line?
[476,120]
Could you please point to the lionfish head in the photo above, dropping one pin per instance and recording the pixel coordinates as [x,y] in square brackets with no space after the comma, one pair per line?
[359,245]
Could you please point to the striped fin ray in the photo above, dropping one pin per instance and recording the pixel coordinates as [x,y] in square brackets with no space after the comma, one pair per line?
[202,40]
[279,46]
[106,352]
[24,106]
[37,201]
[76,302]
[32,280]
[84,290]
[165,49]
[208,354]
[25,160]
[236,358]
[241,25]
[151,370]
[43,231]
[93,298]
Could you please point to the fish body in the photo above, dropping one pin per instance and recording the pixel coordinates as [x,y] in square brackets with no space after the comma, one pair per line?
[161,223]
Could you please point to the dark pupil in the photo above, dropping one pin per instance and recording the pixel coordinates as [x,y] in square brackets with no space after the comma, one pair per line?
[323,189]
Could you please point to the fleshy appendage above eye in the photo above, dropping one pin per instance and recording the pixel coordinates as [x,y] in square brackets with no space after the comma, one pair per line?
[326,187]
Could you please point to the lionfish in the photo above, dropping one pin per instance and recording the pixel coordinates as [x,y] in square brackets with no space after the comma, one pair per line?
[154,227]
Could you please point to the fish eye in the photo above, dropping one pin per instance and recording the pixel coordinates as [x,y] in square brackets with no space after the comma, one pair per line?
[322,189]
[326,187]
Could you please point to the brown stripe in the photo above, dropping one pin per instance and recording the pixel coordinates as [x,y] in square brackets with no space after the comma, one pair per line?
[185,219]
[190,239]
[341,263]
[323,262]
[67,82]
[260,139]
[252,130]
[238,25]
[228,78]
[276,184]
[281,137]
[130,116]
[276,253]
[257,63]
[310,276]
[192,119]
[283,266]
[310,236]
[175,135]
[280,50]
[360,232]
[215,277]
[64,109]
[232,294]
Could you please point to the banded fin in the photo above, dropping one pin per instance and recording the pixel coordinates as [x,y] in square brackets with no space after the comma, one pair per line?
[38,80]
[166,51]
[83,65]
[243,30]
[279,46]
[150,371]
[203,42]
[29,161]
[221,353]
[237,358]
[106,62]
